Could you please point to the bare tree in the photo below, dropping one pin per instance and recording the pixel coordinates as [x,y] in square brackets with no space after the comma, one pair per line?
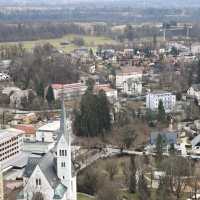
[112,168]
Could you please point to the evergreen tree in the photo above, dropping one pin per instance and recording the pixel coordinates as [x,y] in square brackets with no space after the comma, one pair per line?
[50,95]
[132,178]
[143,191]
[40,89]
[104,111]
[94,116]
[159,149]
[161,112]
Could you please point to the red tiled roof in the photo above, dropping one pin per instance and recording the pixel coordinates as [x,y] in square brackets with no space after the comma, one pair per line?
[105,87]
[28,129]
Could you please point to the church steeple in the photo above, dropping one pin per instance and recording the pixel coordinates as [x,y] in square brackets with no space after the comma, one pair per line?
[64,162]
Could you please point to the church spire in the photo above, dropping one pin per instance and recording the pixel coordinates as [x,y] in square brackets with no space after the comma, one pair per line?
[64,129]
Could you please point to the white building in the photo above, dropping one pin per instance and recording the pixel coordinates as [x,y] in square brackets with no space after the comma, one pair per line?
[129,80]
[194,92]
[168,99]
[52,176]
[48,132]
[111,93]
[11,141]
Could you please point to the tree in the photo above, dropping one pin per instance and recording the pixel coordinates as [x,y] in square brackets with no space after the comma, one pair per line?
[40,89]
[112,168]
[132,178]
[93,119]
[161,112]
[50,95]
[143,190]
[108,192]
[177,170]
[104,111]
[163,191]
[128,136]
[159,148]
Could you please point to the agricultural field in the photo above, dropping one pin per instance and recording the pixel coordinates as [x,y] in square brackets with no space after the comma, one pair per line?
[90,42]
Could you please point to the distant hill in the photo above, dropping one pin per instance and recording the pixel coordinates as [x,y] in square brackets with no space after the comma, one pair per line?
[132,3]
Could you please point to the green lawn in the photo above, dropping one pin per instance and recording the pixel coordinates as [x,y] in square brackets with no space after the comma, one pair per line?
[82,196]
[90,41]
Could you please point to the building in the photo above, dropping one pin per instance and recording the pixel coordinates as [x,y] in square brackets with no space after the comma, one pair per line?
[29,132]
[153,99]
[70,91]
[194,92]
[167,136]
[129,80]
[52,176]
[110,92]
[11,141]
[48,133]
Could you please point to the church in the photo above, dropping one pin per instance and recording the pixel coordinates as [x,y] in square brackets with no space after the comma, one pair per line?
[52,176]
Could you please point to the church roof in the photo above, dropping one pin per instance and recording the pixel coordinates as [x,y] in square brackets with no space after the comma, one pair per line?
[47,166]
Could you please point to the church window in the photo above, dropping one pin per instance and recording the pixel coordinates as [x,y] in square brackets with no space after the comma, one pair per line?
[62,164]
[60,152]
[63,177]
[38,181]
[65,152]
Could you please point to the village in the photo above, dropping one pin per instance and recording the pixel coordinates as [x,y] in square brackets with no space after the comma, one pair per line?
[149,119]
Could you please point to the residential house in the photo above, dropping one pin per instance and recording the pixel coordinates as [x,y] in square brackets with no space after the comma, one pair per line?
[110,92]
[194,92]
[48,133]
[29,132]
[129,80]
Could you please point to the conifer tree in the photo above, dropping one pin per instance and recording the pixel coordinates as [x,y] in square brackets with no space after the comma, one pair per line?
[50,95]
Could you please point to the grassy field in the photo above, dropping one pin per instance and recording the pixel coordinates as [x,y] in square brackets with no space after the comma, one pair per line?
[82,196]
[90,41]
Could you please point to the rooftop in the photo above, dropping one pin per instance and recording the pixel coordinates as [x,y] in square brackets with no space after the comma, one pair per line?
[6,134]
[28,129]
[51,126]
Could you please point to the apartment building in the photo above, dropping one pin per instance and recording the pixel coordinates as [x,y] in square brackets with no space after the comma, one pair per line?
[11,141]
[168,99]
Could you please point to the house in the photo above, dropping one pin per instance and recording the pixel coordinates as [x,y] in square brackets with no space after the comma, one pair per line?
[29,131]
[110,92]
[169,137]
[194,92]
[70,91]
[48,133]
[129,80]
[167,98]
[52,176]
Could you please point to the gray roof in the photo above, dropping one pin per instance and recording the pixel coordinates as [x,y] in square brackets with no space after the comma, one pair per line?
[31,164]
[47,166]
[196,141]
